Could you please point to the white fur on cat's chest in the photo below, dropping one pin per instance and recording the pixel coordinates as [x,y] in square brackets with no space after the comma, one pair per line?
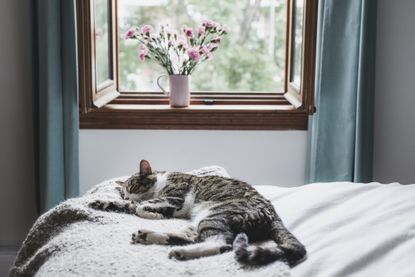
[188,205]
[193,211]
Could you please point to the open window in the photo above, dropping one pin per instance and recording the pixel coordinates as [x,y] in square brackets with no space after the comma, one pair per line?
[301,51]
[261,79]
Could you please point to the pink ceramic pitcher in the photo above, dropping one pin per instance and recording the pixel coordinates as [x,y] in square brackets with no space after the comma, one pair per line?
[179,90]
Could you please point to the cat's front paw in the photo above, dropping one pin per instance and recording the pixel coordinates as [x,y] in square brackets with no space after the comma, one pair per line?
[99,205]
[147,212]
[149,237]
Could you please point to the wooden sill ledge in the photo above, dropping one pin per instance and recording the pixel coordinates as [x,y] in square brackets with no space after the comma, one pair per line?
[195,117]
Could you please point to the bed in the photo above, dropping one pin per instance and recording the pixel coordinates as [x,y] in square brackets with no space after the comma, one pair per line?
[349,229]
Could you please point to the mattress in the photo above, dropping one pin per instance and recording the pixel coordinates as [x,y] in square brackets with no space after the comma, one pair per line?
[350,229]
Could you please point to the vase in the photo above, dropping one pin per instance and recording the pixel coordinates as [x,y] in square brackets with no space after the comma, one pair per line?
[179,93]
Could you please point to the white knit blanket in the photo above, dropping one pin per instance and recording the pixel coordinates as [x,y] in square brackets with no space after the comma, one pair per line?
[75,240]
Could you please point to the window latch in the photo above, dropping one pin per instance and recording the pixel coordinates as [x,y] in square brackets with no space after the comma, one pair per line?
[208,101]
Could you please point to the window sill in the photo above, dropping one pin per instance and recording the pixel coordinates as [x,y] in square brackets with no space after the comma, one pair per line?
[195,117]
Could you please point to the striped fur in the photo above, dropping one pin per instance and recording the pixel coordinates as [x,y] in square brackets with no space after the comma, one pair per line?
[223,212]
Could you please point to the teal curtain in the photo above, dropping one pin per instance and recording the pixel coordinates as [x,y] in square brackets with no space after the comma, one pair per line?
[340,134]
[56,101]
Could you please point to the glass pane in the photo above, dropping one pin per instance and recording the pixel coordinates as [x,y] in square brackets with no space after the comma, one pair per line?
[298,41]
[103,46]
[250,58]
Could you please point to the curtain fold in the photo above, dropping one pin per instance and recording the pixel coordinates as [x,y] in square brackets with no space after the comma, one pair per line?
[340,137]
[56,102]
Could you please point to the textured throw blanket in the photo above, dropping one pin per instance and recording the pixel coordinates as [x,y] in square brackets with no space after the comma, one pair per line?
[75,240]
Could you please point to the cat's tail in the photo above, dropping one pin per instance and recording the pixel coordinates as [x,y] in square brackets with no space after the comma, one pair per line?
[288,249]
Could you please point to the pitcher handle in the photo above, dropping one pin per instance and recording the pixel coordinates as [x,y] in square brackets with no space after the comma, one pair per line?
[160,86]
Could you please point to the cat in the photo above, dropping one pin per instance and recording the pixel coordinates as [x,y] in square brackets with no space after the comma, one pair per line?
[223,214]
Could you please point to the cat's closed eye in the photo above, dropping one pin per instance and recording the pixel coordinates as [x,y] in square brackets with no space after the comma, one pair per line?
[120,188]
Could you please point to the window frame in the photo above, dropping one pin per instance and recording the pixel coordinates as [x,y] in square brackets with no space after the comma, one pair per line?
[109,109]
[302,97]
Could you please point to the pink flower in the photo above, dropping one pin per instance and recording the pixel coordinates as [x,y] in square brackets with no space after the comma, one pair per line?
[188,32]
[142,56]
[209,23]
[182,42]
[217,40]
[130,33]
[193,54]
[201,31]
[146,29]
[143,52]
[204,50]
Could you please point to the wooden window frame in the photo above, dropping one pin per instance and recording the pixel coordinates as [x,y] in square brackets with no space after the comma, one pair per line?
[107,108]
[302,97]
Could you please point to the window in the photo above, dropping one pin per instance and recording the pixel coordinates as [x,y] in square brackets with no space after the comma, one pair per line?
[250,59]
[261,78]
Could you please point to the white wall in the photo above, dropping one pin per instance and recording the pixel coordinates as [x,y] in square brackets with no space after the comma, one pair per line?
[17,190]
[394,155]
[265,157]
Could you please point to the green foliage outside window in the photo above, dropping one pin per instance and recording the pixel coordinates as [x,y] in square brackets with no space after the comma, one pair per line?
[250,58]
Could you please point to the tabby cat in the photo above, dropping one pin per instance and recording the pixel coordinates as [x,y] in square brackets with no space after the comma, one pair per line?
[223,214]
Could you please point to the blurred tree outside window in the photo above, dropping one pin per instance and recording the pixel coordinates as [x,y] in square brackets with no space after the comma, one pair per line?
[298,41]
[250,59]
[103,40]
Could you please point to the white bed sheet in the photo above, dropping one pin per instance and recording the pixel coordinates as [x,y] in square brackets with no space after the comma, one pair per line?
[350,229]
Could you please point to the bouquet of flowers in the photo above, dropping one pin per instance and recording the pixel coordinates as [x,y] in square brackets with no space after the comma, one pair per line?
[178,53]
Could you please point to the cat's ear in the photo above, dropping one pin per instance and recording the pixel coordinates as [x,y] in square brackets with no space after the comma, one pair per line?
[145,168]
[120,183]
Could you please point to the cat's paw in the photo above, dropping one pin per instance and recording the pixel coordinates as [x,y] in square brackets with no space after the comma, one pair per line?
[99,205]
[140,237]
[179,254]
[149,237]
[147,212]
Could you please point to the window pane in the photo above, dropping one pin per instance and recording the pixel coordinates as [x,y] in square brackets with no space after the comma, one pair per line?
[103,40]
[250,58]
[298,41]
